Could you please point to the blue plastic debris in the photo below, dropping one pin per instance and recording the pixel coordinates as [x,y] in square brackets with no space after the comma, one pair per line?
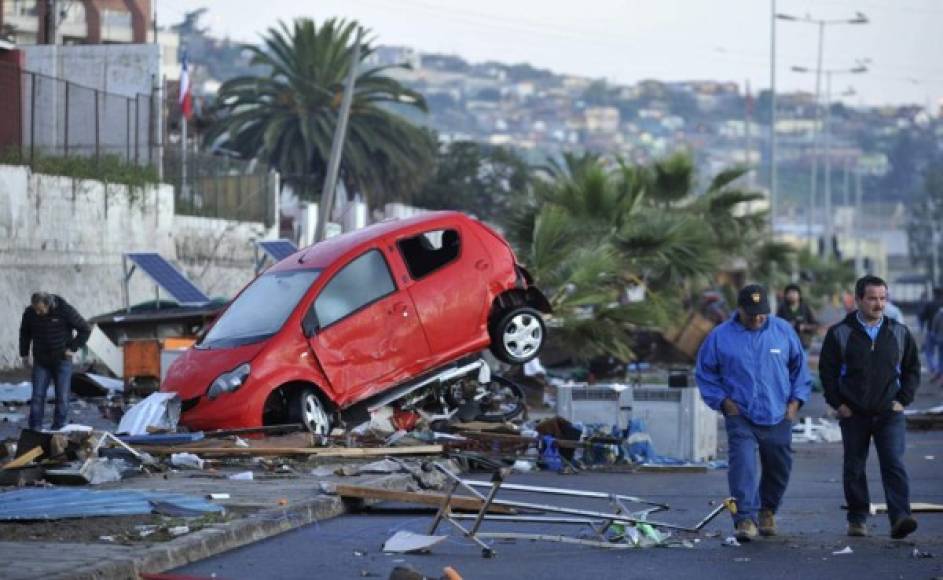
[62,503]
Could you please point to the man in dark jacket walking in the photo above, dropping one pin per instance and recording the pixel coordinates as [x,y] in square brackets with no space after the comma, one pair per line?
[870,370]
[54,330]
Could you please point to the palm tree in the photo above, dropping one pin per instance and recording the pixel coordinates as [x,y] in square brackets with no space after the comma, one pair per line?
[590,229]
[287,117]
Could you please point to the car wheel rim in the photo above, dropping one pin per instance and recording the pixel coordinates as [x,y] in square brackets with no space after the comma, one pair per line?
[522,335]
[314,416]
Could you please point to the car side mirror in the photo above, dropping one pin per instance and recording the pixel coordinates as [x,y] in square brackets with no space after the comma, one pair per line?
[309,324]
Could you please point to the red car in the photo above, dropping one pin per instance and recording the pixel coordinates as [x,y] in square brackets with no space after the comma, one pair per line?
[350,318]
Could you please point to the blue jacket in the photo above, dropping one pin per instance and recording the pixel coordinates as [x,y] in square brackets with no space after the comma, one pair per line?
[759,370]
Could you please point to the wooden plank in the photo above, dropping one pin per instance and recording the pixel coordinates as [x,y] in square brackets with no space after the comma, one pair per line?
[309,451]
[470,504]
[881,508]
[24,459]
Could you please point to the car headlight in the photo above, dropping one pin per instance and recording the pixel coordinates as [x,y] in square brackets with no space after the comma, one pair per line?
[229,382]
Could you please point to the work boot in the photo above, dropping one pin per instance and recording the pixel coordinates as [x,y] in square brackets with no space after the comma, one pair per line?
[903,528]
[857,529]
[767,523]
[745,530]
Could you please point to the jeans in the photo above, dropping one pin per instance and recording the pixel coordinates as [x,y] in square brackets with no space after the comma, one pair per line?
[888,431]
[757,487]
[60,373]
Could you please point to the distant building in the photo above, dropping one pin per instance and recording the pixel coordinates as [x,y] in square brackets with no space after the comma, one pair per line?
[77,21]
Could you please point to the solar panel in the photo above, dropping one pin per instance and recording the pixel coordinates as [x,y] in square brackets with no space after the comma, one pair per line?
[168,277]
[277,249]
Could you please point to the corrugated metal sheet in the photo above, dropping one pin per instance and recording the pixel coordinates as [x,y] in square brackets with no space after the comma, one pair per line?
[62,503]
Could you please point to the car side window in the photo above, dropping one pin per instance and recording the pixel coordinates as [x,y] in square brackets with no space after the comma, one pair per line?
[364,280]
[429,251]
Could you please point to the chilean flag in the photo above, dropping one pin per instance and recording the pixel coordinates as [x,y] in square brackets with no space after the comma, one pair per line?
[186,99]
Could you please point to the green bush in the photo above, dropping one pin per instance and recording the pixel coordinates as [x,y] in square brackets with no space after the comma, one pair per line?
[107,168]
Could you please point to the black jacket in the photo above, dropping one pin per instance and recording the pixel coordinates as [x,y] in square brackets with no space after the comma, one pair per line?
[867,377]
[801,315]
[61,329]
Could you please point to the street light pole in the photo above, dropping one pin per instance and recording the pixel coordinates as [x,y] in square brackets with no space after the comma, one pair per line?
[827,143]
[813,185]
[816,115]
[772,121]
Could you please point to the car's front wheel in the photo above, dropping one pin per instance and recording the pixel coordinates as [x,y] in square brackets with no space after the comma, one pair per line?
[307,408]
[518,335]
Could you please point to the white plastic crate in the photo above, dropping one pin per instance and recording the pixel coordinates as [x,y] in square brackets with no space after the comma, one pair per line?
[606,404]
[678,422]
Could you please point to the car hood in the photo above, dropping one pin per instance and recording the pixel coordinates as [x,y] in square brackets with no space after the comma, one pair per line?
[191,374]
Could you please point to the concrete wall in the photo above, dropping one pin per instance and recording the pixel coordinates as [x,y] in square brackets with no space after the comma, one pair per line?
[67,236]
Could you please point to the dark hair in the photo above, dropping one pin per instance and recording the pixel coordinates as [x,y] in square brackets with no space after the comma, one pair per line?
[43,298]
[865,281]
[792,287]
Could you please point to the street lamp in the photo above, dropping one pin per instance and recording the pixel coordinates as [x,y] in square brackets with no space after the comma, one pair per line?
[859,18]
[826,130]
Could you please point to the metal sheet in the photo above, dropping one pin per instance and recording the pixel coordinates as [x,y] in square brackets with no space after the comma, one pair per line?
[62,503]
[168,277]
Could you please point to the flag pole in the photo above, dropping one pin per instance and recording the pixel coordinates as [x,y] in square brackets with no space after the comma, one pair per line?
[184,190]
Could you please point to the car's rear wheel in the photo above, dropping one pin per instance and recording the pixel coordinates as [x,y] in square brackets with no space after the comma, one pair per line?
[518,335]
[307,408]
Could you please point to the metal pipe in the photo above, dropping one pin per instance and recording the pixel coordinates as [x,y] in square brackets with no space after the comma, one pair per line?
[564,491]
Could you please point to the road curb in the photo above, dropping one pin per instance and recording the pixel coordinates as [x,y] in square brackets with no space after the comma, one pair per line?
[218,538]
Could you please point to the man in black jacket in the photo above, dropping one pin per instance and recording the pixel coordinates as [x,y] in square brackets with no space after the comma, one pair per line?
[870,370]
[55,330]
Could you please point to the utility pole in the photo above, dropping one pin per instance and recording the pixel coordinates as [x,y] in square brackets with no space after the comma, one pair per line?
[337,145]
[52,14]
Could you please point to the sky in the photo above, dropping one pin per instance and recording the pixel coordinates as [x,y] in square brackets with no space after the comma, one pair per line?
[624,41]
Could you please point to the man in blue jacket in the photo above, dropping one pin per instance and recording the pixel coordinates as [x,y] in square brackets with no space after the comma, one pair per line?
[752,368]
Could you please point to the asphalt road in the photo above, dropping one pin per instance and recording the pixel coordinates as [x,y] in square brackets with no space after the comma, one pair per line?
[811,521]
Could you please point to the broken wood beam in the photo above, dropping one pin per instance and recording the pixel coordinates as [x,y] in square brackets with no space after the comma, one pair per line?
[24,459]
[469,504]
[309,451]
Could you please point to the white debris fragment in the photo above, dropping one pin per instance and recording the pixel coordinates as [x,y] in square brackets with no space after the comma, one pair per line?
[242,476]
[843,551]
[404,542]
[731,542]
[186,460]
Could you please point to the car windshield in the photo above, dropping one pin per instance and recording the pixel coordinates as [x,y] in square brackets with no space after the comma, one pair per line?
[261,309]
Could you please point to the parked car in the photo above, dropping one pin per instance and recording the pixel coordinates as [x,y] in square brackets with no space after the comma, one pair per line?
[350,318]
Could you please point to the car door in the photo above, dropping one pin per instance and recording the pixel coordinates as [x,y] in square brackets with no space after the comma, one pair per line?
[448,267]
[368,330]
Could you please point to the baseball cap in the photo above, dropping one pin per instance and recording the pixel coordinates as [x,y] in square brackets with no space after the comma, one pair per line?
[753,300]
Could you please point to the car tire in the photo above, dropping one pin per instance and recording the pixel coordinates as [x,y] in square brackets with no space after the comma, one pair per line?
[518,335]
[307,408]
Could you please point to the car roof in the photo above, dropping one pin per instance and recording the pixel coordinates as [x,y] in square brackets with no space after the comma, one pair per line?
[324,253]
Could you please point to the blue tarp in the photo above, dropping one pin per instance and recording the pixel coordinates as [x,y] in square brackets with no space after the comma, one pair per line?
[62,503]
